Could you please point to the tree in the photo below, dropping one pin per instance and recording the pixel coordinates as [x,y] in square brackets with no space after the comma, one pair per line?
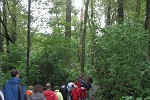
[68,19]
[68,27]
[120,11]
[14,20]
[83,38]
[108,18]
[28,41]
[1,44]
[147,24]
[138,7]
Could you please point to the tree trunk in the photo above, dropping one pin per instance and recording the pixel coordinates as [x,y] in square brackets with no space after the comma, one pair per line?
[68,27]
[138,7]
[108,19]
[83,37]
[14,22]
[28,41]
[93,34]
[147,24]
[80,34]
[1,41]
[120,11]
[5,23]
[68,19]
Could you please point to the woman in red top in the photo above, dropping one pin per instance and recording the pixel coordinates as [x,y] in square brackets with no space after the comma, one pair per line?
[82,92]
[75,93]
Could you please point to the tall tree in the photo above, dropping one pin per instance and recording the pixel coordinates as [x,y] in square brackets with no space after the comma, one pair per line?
[14,20]
[68,27]
[83,38]
[28,41]
[147,23]
[92,33]
[138,7]
[68,19]
[5,24]
[120,11]
[108,18]
[1,44]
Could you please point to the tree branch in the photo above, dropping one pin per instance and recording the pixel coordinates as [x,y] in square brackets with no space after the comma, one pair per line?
[6,31]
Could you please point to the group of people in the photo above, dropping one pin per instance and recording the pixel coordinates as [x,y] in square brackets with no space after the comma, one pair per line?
[15,90]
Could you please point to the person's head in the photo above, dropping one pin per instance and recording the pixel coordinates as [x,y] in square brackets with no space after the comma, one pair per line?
[31,87]
[38,88]
[48,86]
[15,73]
[56,87]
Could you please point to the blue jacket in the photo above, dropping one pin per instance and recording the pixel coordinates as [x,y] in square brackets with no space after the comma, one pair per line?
[10,89]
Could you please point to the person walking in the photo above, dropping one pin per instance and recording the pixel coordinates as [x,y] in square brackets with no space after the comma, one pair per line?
[64,91]
[75,93]
[30,90]
[69,87]
[37,93]
[14,89]
[48,93]
[78,83]
[82,92]
[58,94]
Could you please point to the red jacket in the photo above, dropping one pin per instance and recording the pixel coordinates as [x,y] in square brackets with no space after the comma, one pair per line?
[50,95]
[82,92]
[75,94]
[78,84]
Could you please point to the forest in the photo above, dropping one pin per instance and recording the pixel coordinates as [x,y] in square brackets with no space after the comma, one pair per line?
[108,40]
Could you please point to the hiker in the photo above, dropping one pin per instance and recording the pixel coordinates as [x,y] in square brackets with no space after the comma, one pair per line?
[64,91]
[82,92]
[14,89]
[78,83]
[37,93]
[1,95]
[48,93]
[58,94]
[30,90]
[75,92]
[69,87]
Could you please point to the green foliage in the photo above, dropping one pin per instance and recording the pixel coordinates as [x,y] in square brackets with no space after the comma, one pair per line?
[48,63]
[14,59]
[120,57]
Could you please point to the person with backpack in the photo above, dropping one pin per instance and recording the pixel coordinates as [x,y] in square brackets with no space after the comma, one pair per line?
[29,91]
[58,94]
[14,89]
[75,92]
[64,91]
[82,92]
[69,87]
[48,93]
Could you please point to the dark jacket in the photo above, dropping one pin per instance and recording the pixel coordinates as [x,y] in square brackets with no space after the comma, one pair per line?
[64,92]
[10,89]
